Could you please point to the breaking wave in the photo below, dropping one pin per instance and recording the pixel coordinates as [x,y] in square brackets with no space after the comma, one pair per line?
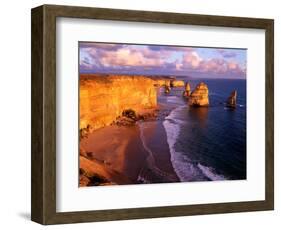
[185,168]
[210,173]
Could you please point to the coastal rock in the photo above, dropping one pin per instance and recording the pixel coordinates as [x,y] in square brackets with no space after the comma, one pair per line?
[167,89]
[200,95]
[129,113]
[231,101]
[94,172]
[125,121]
[161,82]
[84,181]
[167,83]
[104,98]
[187,90]
[177,83]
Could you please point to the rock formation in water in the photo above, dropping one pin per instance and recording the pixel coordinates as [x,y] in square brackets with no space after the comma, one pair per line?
[177,83]
[187,91]
[167,89]
[200,95]
[231,100]
[104,98]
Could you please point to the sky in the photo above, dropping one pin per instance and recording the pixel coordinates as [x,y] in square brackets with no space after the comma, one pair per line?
[197,62]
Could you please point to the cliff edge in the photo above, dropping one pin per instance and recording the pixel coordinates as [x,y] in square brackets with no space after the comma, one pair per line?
[104,98]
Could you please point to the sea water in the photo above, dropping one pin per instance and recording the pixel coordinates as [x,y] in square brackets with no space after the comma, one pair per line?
[207,143]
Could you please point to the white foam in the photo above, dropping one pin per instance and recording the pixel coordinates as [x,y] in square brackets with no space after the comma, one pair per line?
[185,169]
[210,173]
[141,127]
[173,114]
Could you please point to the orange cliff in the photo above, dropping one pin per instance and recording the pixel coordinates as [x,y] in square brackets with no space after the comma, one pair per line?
[104,98]
[161,82]
[177,83]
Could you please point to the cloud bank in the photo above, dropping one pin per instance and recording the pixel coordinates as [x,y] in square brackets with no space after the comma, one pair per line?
[159,60]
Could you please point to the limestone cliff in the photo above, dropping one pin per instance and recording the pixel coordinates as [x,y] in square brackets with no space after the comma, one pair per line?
[177,83]
[231,101]
[200,95]
[104,98]
[161,82]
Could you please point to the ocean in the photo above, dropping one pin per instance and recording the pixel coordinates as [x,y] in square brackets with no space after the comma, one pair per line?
[207,143]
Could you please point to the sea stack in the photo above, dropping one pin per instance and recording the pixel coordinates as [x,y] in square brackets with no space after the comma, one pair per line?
[167,89]
[231,100]
[199,96]
[187,91]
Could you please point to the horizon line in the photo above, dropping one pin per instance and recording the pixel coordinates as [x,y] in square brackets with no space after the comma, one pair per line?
[165,75]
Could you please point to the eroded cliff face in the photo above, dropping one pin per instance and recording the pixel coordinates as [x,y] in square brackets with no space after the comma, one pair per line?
[200,95]
[161,82]
[177,83]
[103,99]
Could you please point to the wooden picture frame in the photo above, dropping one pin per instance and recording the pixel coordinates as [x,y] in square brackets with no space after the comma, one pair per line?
[43,208]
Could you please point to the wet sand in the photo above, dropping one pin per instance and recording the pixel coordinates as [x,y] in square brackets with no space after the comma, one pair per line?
[154,137]
[129,154]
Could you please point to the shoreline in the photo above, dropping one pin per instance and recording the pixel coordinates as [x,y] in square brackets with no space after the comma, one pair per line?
[151,144]
[123,155]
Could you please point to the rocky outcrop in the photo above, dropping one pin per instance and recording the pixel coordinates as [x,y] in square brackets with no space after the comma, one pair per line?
[200,95]
[177,83]
[167,89]
[161,82]
[93,172]
[187,91]
[170,82]
[231,101]
[104,98]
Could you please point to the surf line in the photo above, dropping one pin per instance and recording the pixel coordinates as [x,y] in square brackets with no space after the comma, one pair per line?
[151,160]
[172,127]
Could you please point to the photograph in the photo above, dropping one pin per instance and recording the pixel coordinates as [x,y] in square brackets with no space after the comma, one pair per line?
[161,114]
[140,114]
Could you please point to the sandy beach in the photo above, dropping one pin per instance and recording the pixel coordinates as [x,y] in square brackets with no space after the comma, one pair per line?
[161,114]
[128,154]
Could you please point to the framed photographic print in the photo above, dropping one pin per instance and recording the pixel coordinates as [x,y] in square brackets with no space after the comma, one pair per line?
[140,114]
